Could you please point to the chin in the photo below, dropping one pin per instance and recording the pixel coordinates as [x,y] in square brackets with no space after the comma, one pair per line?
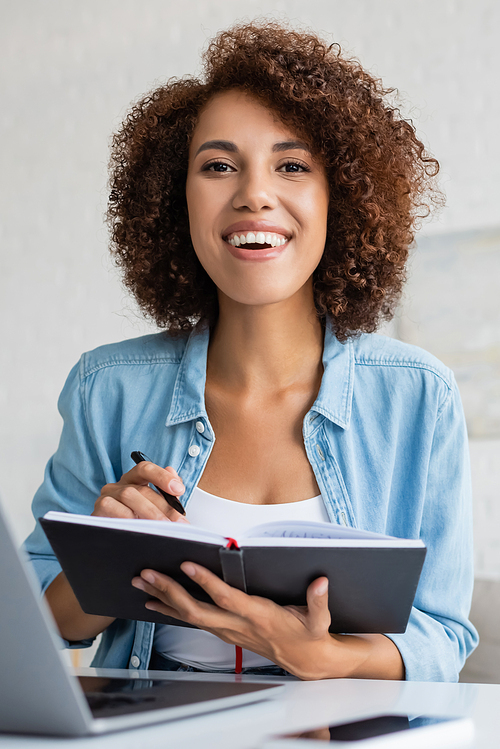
[257,294]
[258,300]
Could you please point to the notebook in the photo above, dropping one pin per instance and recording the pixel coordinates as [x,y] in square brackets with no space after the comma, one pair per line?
[39,695]
[373,578]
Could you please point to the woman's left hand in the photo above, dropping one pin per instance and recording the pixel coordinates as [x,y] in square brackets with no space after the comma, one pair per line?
[294,637]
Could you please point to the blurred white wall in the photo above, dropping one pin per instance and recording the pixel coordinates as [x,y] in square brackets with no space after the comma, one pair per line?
[69,71]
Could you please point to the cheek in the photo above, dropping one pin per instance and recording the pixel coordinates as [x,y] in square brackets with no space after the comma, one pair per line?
[204,204]
[314,209]
[201,223]
[195,205]
[313,202]
[321,201]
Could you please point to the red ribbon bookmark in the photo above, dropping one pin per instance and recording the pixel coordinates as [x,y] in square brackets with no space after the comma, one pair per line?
[238,661]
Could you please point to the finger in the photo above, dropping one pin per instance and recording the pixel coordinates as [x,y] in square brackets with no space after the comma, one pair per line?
[140,501]
[161,503]
[174,596]
[162,608]
[223,595]
[318,614]
[108,507]
[149,473]
[139,508]
[154,605]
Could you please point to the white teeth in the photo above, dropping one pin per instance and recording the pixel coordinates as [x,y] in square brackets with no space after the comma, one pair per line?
[275,240]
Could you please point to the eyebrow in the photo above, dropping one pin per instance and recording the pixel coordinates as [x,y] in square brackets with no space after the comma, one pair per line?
[290,145]
[230,147]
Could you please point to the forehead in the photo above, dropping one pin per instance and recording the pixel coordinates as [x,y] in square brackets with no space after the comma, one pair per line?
[235,114]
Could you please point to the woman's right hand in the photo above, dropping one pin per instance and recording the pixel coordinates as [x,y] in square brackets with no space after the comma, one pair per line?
[131,497]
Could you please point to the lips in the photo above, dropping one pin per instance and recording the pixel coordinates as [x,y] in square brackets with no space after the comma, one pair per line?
[255,239]
[256,255]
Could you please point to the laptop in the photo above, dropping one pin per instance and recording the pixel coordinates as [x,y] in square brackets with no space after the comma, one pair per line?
[39,695]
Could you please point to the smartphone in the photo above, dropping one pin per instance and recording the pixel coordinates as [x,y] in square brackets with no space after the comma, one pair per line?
[381,731]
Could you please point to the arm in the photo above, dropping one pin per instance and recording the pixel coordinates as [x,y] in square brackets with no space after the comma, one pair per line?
[73,623]
[369,657]
[73,479]
[72,482]
[439,635]
[130,497]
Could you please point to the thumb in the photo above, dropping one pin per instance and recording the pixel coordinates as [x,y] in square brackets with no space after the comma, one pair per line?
[317,607]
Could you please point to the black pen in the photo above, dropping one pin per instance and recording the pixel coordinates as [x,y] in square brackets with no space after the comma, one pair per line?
[139,457]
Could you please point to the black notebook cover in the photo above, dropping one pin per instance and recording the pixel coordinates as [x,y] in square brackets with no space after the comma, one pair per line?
[371,590]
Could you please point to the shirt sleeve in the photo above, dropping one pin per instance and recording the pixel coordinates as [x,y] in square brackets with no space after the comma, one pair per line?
[72,482]
[439,636]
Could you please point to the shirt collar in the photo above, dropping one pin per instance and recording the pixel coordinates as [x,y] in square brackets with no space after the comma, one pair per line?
[188,400]
[335,394]
[334,398]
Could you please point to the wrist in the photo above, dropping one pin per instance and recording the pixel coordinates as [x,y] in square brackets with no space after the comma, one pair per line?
[322,659]
[351,657]
[371,657]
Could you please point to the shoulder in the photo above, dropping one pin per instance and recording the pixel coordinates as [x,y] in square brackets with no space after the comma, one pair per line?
[149,350]
[388,354]
[124,377]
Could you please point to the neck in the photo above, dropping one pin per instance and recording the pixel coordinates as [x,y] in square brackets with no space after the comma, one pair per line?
[267,348]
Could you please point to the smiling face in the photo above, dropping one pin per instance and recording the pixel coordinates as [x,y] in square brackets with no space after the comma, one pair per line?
[257,202]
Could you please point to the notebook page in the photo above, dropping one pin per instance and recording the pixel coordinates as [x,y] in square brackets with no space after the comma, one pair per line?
[385,542]
[157,527]
[299,529]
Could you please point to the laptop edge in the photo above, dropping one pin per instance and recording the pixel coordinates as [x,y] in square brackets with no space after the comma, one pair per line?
[38,695]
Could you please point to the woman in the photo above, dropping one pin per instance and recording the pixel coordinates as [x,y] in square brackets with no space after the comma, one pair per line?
[263,218]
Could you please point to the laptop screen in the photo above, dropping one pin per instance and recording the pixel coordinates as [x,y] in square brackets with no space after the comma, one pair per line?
[111,697]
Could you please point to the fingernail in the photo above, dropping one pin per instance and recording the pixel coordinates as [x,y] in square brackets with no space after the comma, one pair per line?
[189,569]
[176,487]
[137,583]
[182,519]
[322,588]
[148,576]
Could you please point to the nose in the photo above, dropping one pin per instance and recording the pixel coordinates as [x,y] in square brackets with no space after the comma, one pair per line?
[255,191]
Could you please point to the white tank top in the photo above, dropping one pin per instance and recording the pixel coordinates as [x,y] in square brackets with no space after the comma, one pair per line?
[200,649]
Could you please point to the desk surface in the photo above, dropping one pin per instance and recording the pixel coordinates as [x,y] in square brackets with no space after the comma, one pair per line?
[301,706]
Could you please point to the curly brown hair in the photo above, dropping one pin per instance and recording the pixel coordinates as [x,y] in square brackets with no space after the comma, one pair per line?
[382,181]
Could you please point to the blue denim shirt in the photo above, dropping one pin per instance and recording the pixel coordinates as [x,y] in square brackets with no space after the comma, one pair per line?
[386,439]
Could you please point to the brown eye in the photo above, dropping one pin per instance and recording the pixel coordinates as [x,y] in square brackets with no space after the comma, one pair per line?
[293,167]
[217,166]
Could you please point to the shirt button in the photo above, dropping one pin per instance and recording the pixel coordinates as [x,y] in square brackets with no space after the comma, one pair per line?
[194,450]
[135,661]
[200,427]
[320,452]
